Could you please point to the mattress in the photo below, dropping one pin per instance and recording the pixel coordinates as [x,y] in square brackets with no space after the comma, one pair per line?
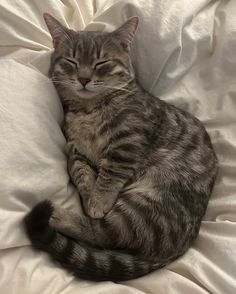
[184,53]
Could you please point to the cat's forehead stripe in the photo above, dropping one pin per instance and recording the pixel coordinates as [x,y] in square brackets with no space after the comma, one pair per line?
[75,50]
[86,49]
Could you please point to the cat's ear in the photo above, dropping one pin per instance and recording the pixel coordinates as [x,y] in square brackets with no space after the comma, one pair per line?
[57,30]
[126,32]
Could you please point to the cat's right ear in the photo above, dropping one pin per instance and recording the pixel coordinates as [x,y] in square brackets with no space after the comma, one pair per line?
[57,30]
[126,32]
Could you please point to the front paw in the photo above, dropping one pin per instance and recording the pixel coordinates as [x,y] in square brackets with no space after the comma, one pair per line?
[98,207]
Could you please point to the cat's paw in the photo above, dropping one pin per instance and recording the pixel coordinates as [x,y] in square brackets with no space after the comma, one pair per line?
[98,208]
[59,218]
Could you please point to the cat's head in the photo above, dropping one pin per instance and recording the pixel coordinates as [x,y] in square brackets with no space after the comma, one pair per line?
[87,64]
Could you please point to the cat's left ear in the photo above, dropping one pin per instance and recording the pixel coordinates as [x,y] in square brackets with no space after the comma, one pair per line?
[126,32]
[56,29]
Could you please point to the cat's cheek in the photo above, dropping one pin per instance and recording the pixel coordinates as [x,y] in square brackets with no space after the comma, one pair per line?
[58,69]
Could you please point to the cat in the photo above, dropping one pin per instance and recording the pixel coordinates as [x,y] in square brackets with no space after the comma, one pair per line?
[143,168]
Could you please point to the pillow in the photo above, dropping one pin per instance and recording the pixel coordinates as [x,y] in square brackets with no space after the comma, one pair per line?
[32,159]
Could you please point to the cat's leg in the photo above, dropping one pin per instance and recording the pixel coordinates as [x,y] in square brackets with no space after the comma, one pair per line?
[83,177]
[98,193]
[127,225]
[107,232]
[71,224]
[115,171]
[119,165]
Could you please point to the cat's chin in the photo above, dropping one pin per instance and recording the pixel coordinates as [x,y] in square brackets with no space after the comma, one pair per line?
[86,94]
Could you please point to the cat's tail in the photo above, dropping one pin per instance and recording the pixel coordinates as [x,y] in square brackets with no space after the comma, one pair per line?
[82,260]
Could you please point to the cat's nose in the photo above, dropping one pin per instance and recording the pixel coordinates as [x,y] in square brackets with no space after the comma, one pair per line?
[84,81]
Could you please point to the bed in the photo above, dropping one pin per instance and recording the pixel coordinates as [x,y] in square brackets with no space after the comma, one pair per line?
[184,53]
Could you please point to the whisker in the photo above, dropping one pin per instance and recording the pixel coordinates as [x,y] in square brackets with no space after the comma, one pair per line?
[65,82]
[118,88]
[71,84]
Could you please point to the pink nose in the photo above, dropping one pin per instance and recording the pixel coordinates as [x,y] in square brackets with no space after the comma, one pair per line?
[84,81]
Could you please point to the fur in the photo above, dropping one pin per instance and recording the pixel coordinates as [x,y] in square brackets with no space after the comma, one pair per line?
[143,168]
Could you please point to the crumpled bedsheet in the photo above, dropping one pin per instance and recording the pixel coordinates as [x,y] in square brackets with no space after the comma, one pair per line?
[185,53]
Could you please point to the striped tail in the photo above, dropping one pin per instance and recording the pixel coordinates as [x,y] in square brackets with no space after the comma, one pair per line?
[82,260]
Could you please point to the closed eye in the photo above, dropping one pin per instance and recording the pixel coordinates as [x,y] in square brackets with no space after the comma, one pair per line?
[74,63]
[101,63]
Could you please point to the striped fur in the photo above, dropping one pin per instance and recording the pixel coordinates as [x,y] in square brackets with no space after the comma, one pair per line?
[144,169]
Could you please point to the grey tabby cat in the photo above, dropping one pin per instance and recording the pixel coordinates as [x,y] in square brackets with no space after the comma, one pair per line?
[144,169]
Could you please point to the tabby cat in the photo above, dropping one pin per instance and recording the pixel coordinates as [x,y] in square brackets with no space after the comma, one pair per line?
[143,168]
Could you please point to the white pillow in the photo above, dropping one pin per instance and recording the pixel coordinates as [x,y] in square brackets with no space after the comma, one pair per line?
[32,160]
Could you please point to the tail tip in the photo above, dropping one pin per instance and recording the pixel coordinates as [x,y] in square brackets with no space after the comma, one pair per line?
[37,220]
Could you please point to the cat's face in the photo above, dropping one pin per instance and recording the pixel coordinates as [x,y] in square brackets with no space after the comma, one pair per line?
[87,64]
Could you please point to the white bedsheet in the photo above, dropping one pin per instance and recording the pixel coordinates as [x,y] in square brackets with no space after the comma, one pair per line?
[185,53]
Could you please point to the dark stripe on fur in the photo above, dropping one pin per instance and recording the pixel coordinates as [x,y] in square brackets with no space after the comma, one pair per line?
[119,266]
[119,158]
[82,158]
[113,173]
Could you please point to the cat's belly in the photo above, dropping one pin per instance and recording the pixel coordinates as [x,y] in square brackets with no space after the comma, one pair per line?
[84,133]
